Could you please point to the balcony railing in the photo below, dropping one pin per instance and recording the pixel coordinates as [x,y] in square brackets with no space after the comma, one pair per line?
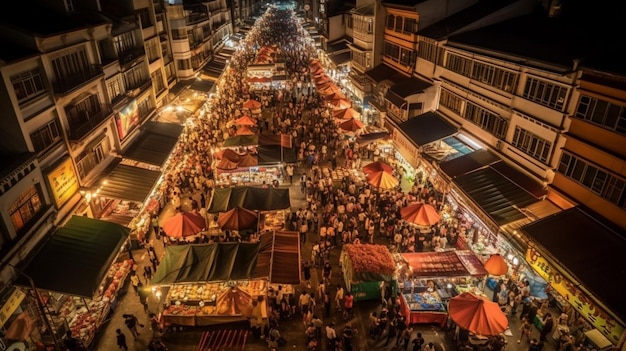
[88,121]
[196,17]
[129,56]
[67,83]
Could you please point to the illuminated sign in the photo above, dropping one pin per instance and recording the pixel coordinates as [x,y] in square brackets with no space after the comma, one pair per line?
[63,182]
[127,119]
[406,148]
[12,303]
[578,299]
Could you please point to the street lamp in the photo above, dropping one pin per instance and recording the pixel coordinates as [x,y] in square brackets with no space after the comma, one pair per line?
[40,305]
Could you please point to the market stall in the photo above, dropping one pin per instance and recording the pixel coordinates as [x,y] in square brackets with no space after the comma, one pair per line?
[251,198]
[89,271]
[364,267]
[206,284]
[429,279]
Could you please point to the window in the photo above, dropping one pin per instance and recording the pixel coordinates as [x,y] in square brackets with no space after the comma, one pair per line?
[427,51]
[28,85]
[134,77]
[494,76]
[486,120]
[71,65]
[459,64]
[410,26]
[184,64]
[124,42]
[398,27]
[25,208]
[157,81]
[391,19]
[115,87]
[153,49]
[602,113]
[146,19]
[45,136]
[392,51]
[145,107]
[599,181]
[531,144]
[82,111]
[169,72]
[545,93]
[451,101]
[407,57]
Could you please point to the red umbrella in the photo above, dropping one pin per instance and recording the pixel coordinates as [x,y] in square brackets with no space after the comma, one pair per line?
[382,180]
[496,265]
[377,167]
[340,103]
[237,218]
[184,224]
[252,104]
[477,314]
[420,214]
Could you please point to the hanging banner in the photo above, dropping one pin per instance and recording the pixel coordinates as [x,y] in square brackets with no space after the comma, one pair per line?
[127,119]
[578,299]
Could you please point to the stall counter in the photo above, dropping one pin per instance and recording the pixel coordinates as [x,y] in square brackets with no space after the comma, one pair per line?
[422,316]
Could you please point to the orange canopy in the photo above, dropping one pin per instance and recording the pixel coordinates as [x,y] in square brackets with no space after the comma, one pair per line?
[421,214]
[351,125]
[345,113]
[184,224]
[377,167]
[477,314]
[382,180]
[237,218]
[227,164]
[245,120]
[496,265]
[252,104]
[245,130]
[248,160]
[340,103]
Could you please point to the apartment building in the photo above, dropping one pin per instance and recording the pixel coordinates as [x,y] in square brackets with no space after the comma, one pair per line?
[80,80]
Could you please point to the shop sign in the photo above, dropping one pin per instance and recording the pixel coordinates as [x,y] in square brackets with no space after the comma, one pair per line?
[578,299]
[406,148]
[12,303]
[63,182]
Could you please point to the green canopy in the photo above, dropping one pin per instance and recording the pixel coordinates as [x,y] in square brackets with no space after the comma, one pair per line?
[207,262]
[76,258]
[251,198]
[241,140]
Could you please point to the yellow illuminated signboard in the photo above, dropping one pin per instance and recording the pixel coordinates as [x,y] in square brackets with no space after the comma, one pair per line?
[12,303]
[578,299]
[63,182]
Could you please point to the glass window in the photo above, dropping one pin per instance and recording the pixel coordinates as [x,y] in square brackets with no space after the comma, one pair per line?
[25,208]
[28,85]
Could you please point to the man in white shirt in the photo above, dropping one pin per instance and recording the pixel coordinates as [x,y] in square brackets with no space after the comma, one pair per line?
[331,335]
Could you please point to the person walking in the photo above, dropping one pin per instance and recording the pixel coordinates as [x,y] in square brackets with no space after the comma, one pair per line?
[339,297]
[418,342]
[134,280]
[155,226]
[121,339]
[548,325]
[348,303]
[525,330]
[132,322]
[331,336]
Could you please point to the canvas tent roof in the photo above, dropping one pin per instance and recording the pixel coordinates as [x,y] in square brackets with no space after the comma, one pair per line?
[272,154]
[77,257]
[129,183]
[154,144]
[278,252]
[241,140]
[207,262]
[251,198]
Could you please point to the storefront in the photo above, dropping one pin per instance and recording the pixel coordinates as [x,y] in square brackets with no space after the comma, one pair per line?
[428,280]
[574,268]
[90,267]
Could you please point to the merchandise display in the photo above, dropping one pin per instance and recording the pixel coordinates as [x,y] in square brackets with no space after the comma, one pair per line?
[195,304]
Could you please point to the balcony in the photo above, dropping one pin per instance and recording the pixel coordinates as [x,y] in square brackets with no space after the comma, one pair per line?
[196,17]
[139,88]
[83,122]
[67,83]
[128,57]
